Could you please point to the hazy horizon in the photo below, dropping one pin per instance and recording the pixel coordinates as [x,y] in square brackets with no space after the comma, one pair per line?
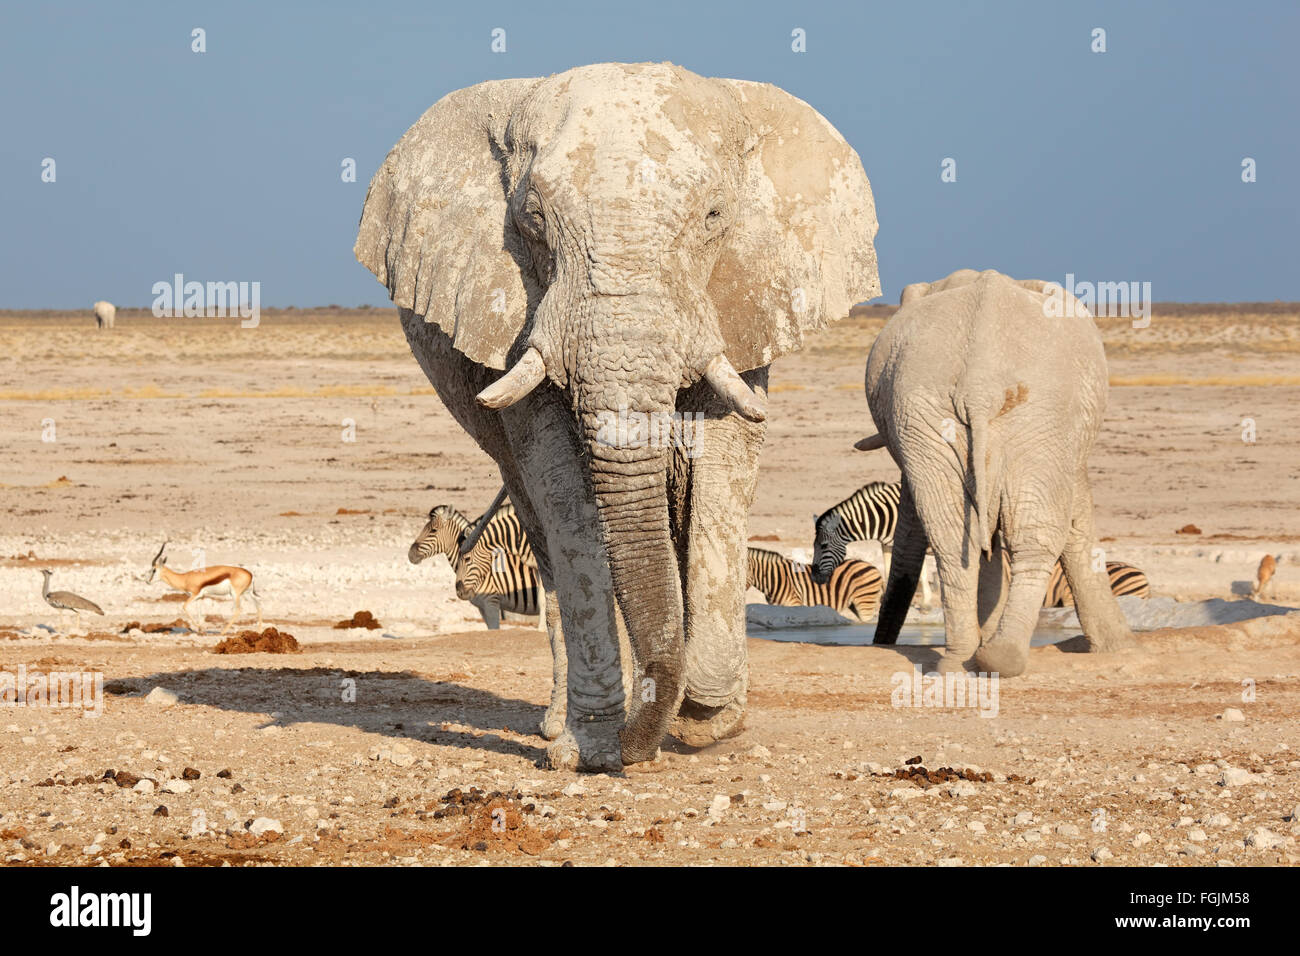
[225,165]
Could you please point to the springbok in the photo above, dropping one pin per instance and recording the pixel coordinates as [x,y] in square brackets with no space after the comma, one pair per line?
[220,580]
[1264,575]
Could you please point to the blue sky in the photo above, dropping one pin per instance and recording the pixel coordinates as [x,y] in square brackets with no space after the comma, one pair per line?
[1123,165]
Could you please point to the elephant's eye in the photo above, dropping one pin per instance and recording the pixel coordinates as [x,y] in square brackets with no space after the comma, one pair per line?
[530,217]
[714,221]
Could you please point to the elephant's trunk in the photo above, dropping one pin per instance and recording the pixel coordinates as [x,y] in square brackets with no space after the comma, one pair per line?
[631,498]
[626,422]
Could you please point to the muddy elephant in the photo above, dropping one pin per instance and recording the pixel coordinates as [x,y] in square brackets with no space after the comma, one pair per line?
[635,244]
[988,393]
[105,314]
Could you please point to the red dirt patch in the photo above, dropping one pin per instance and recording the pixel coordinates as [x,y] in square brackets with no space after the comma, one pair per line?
[360,619]
[154,628]
[270,641]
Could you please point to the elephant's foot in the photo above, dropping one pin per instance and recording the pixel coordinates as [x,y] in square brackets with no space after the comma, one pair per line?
[698,725]
[562,754]
[1116,639]
[1002,657]
[552,725]
[588,746]
[656,764]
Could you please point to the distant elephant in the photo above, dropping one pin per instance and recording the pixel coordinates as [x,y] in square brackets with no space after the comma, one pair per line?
[989,393]
[636,243]
[105,314]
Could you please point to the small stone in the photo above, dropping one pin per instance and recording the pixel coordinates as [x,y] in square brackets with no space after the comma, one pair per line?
[1197,835]
[176,786]
[1037,860]
[144,786]
[1235,777]
[758,752]
[1263,838]
[1142,839]
[1066,830]
[975,826]
[951,861]
[161,697]
[574,789]
[1023,818]
[161,812]
[720,805]
[1101,854]
[265,825]
[1232,714]
[189,773]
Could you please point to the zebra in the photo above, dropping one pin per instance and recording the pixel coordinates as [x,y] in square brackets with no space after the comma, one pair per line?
[498,572]
[1124,580]
[496,580]
[853,584]
[444,533]
[869,514]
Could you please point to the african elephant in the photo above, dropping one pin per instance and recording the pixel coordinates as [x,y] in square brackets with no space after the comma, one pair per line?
[105,314]
[636,243]
[989,393]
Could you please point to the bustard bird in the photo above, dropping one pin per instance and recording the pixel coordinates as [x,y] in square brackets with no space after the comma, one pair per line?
[66,600]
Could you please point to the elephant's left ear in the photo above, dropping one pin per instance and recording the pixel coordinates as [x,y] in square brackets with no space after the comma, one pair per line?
[435,227]
[800,249]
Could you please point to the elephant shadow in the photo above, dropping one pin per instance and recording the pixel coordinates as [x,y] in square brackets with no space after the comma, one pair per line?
[399,704]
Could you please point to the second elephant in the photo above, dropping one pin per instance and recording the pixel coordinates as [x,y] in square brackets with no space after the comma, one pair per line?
[989,392]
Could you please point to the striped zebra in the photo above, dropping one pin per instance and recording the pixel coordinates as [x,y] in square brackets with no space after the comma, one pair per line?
[446,528]
[495,580]
[853,585]
[1124,580]
[498,573]
[869,514]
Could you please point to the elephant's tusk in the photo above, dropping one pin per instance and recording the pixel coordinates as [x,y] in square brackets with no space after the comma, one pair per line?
[870,443]
[526,375]
[726,381]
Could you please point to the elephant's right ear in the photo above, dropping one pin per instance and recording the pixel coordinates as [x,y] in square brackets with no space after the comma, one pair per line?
[436,229]
[800,252]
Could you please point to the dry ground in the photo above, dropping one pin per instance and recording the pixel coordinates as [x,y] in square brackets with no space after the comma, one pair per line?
[233,441]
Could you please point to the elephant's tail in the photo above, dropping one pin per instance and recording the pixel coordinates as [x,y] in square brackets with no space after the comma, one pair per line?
[978,422]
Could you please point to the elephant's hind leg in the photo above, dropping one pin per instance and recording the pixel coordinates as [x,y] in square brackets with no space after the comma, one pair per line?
[903,570]
[552,725]
[1032,553]
[1099,614]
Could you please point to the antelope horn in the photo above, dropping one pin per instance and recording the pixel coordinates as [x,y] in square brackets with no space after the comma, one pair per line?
[525,376]
[160,551]
[726,381]
[476,532]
